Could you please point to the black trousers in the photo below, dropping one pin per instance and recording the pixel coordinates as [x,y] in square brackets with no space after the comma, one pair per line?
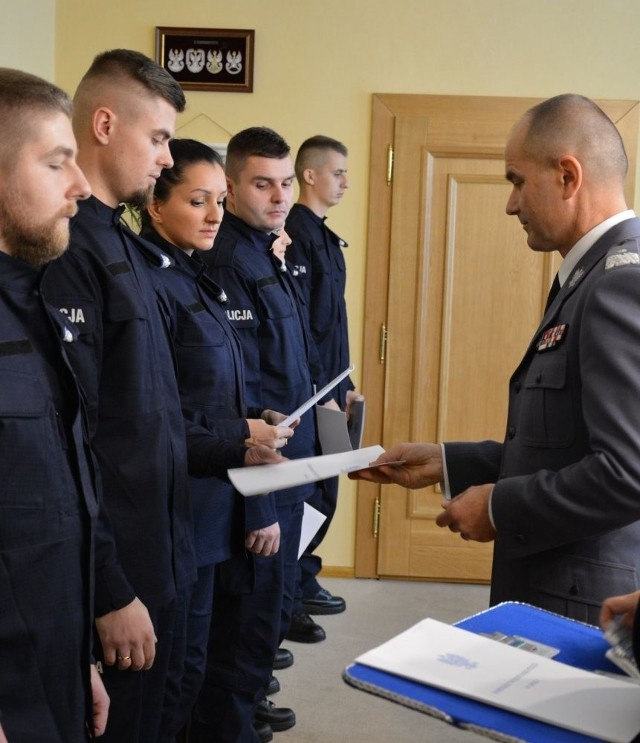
[252,604]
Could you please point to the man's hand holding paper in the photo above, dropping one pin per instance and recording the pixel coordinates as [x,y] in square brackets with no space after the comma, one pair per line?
[421,466]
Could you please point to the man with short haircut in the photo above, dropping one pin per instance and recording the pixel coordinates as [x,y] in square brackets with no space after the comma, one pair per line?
[49,691]
[125,112]
[316,252]
[561,494]
[281,367]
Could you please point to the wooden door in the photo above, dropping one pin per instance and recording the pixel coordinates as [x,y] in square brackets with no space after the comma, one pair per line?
[453,294]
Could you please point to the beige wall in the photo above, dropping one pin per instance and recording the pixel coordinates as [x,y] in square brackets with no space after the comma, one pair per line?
[318,62]
[27,37]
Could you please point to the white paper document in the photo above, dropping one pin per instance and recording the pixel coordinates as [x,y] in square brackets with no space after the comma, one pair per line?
[473,666]
[318,396]
[267,477]
[312,520]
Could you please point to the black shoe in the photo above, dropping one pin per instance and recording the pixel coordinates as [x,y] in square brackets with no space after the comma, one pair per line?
[323,603]
[273,686]
[264,731]
[304,629]
[278,718]
[283,659]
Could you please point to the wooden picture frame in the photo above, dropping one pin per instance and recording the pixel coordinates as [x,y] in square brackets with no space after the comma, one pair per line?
[215,59]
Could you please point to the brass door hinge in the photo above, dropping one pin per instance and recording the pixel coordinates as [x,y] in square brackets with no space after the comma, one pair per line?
[376,517]
[383,343]
[390,155]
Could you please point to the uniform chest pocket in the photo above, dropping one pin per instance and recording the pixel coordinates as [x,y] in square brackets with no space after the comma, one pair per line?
[21,395]
[322,263]
[124,308]
[28,440]
[196,327]
[547,416]
[275,301]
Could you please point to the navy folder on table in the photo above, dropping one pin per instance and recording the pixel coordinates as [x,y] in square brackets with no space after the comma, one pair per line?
[581,645]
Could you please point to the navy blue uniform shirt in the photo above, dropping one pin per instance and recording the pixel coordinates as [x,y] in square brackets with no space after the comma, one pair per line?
[316,252]
[124,362]
[48,509]
[280,362]
[211,385]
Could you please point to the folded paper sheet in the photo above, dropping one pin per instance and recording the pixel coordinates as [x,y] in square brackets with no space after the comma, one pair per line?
[268,477]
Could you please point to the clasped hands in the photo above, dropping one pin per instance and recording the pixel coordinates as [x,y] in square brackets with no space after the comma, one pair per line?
[467,514]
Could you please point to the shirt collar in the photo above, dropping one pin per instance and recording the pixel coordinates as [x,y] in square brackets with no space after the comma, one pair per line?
[587,241]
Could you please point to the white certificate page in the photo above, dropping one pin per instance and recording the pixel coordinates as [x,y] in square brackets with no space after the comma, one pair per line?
[267,477]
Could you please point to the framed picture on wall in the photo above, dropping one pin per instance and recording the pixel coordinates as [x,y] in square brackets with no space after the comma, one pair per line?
[216,59]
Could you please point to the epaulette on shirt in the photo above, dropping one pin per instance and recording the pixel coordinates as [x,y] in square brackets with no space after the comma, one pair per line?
[625,254]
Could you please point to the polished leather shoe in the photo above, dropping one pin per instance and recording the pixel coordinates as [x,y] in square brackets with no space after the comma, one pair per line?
[273,687]
[278,718]
[323,602]
[264,731]
[282,659]
[304,629]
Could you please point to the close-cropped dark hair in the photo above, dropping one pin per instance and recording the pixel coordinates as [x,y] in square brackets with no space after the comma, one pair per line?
[132,65]
[572,122]
[256,141]
[185,152]
[312,150]
[22,97]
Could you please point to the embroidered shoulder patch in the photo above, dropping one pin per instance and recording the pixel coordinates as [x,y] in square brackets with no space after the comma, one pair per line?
[621,258]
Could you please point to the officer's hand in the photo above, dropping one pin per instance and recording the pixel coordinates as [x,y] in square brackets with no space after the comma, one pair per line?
[262,454]
[422,466]
[127,637]
[468,514]
[625,605]
[100,703]
[264,542]
[261,432]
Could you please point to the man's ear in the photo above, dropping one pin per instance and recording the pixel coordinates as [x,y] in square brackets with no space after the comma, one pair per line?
[571,173]
[102,124]
[309,176]
[154,210]
[231,192]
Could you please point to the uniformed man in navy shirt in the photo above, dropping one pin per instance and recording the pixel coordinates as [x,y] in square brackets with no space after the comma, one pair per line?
[281,362]
[317,253]
[125,111]
[49,691]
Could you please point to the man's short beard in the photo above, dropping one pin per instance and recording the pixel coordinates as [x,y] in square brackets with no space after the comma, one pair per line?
[141,199]
[33,244]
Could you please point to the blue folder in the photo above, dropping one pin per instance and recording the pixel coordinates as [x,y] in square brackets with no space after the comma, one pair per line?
[581,645]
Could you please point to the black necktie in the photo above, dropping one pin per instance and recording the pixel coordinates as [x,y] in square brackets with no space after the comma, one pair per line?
[555,288]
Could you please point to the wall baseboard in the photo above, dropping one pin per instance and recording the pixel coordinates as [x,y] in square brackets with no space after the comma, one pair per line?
[337,572]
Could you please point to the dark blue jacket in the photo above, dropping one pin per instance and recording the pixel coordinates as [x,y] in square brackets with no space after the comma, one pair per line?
[123,360]
[48,508]
[211,385]
[264,307]
[316,252]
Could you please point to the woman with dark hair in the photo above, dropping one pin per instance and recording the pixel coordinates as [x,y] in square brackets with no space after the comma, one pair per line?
[230,531]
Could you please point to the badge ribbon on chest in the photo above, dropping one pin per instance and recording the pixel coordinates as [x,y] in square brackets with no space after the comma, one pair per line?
[552,337]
